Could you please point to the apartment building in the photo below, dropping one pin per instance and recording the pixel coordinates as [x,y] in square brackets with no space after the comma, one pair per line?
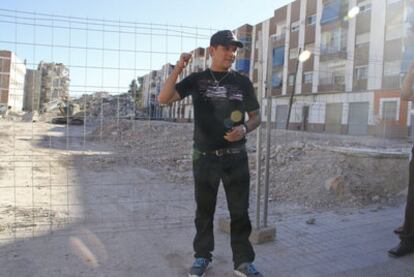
[351,82]
[360,52]
[150,85]
[32,88]
[12,76]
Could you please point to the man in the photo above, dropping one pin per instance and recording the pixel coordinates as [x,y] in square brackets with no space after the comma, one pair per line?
[406,232]
[221,97]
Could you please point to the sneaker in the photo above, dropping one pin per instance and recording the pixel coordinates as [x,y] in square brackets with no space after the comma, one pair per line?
[247,270]
[402,249]
[199,267]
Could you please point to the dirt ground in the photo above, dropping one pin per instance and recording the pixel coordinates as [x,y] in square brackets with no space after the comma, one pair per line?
[306,169]
[89,184]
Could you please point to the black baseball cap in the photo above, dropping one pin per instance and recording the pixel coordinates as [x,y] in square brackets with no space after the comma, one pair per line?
[225,38]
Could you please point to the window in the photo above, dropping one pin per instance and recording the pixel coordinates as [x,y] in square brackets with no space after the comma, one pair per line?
[389,109]
[392,68]
[244,40]
[362,39]
[278,56]
[277,78]
[280,29]
[339,77]
[331,72]
[293,53]
[333,41]
[331,11]
[311,20]
[361,73]
[308,77]
[408,56]
[365,6]
[295,26]
[242,65]
[56,83]
[3,81]
[310,47]
[291,79]
[394,31]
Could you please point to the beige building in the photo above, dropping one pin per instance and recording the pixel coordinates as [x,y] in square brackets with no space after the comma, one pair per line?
[360,52]
[12,77]
[32,88]
[350,83]
[151,85]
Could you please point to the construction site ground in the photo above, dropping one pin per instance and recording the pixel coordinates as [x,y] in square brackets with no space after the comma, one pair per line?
[115,198]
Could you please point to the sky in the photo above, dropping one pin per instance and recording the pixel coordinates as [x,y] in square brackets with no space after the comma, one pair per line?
[217,14]
[106,44]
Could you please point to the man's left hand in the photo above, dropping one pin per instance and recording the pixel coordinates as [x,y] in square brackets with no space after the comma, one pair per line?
[235,134]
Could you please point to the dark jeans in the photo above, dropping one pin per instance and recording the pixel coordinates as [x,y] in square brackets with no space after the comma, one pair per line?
[233,170]
[408,227]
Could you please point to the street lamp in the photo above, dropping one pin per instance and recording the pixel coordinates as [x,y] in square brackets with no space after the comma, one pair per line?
[353,12]
[303,57]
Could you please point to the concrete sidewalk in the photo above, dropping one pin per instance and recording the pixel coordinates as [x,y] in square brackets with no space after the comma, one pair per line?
[335,245]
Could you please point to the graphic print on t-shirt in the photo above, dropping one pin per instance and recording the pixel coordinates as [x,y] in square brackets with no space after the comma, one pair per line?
[215,93]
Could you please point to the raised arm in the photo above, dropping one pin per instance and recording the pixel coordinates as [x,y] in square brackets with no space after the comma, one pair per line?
[168,93]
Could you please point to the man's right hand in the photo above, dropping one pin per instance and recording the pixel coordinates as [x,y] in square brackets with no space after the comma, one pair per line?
[183,61]
[168,94]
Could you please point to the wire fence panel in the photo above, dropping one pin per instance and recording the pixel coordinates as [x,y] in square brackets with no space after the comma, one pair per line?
[88,153]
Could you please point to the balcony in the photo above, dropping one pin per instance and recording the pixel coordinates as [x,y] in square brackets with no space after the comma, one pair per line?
[330,53]
[391,82]
[331,84]
[359,85]
[278,37]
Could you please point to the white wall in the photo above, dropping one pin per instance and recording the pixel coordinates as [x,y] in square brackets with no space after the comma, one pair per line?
[16,89]
[376,46]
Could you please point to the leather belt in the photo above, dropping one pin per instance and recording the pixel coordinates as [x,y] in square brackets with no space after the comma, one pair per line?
[224,151]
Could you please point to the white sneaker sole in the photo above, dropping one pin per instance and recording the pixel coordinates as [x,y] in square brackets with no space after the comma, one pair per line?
[204,274]
[240,274]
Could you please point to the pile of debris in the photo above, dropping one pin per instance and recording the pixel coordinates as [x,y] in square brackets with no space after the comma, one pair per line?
[319,177]
[303,168]
[102,104]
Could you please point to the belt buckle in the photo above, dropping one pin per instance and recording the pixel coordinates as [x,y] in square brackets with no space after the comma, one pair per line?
[219,152]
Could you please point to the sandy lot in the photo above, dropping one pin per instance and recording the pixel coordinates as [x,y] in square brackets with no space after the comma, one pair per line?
[89,200]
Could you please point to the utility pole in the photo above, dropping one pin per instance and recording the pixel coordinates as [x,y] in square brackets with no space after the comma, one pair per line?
[294,88]
[259,138]
[268,91]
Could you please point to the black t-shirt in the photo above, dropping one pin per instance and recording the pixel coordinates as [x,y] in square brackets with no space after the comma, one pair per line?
[217,108]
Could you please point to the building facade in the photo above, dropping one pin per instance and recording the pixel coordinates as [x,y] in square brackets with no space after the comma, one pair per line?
[351,82]
[150,86]
[12,77]
[360,53]
[32,88]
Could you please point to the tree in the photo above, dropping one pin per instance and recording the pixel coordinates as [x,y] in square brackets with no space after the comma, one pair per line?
[135,90]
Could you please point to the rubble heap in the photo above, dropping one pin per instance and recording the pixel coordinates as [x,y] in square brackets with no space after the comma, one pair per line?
[303,168]
[106,105]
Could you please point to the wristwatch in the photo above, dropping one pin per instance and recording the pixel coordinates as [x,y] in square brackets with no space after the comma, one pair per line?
[244,126]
